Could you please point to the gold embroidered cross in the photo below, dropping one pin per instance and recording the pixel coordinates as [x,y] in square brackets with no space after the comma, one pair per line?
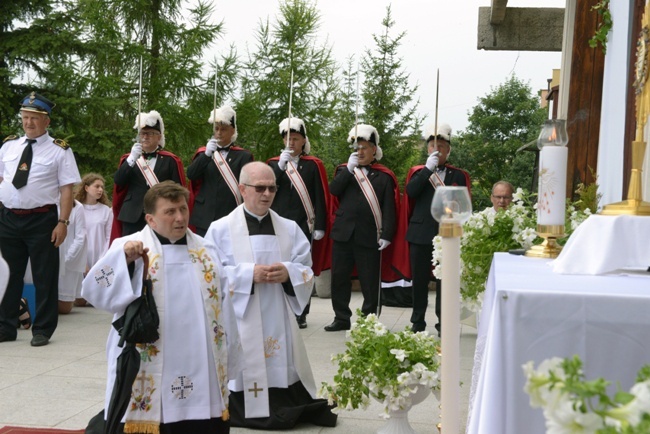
[143,378]
[255,389]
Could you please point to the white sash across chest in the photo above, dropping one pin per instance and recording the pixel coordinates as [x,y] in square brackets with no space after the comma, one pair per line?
[227,174]
[299,184]
[370,195]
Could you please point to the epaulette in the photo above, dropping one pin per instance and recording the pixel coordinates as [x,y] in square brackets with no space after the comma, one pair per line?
[61,143]
[14,137]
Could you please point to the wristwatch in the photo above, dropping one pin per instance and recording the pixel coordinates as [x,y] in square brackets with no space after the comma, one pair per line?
[65,222]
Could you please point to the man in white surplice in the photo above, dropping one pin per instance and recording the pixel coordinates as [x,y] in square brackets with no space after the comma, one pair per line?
[267,262]
[182,384]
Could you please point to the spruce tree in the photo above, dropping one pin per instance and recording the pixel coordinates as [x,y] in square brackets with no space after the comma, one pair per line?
[24,38]
[388,100]
[289,44]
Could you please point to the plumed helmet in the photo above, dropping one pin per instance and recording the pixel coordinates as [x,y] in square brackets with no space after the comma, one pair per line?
[444,132]
[224,115]
[369,133]
[151,120]
[297,126]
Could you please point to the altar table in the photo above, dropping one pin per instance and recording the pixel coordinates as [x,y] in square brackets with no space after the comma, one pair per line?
[531,313]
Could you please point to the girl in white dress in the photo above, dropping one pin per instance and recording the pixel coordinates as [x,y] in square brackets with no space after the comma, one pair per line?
[99,219]
[72,259]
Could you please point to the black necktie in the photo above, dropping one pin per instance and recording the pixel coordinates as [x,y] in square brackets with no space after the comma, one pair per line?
[22,172]
[149,155]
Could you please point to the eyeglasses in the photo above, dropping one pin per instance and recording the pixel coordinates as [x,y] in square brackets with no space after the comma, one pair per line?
[263,188]
[149,133]
[502,197]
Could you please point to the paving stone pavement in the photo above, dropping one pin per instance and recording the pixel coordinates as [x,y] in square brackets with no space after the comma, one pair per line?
[62,384]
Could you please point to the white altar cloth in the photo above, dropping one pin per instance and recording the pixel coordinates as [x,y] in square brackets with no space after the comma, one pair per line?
[606,244]
[531,313]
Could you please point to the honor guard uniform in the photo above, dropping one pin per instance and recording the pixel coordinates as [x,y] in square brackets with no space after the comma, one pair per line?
[366,197]
[303,193]
[214,172]
[421,184]
[36,172]
[145,166]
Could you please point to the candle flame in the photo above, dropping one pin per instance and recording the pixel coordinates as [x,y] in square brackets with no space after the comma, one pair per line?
[553,136]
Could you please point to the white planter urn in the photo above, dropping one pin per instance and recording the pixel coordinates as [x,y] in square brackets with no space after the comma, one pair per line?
[399,419]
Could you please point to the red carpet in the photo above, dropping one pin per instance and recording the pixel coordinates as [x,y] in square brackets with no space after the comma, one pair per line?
[28,430]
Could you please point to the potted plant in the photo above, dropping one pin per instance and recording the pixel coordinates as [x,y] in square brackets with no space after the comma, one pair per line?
[398,369]
[572,404]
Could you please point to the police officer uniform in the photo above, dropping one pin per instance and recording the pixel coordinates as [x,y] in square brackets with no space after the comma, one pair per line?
[28,218]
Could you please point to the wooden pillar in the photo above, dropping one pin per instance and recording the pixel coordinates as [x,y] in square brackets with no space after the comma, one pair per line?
[630,115]
[585,96]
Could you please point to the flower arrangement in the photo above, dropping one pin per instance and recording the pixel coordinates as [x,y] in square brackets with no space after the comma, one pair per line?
[384,365]
[487,232]
[573,405]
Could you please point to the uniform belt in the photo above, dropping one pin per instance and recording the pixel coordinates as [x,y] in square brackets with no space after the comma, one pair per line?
[20,211]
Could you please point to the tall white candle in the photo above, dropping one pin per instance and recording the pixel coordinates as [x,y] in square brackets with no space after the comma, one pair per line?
[551,201]
[450,309]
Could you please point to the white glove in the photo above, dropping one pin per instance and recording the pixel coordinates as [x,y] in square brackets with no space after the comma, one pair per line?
[383,244]
[318,235]
[210,147]
[432,161]
[285,156]
[353,161]
[136,152]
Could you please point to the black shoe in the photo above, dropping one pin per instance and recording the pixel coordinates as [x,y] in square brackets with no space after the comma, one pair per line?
[418,328]
[6,338]
[337,326]
[302,322]
[40,340]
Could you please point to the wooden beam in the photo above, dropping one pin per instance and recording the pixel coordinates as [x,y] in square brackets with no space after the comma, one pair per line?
[523,29]
[498,12]
[630,115]
[585,98]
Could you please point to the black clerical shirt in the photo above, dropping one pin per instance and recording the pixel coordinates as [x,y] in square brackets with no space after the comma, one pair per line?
[264,226]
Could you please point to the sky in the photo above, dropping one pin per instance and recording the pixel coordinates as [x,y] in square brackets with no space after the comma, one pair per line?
[440,35]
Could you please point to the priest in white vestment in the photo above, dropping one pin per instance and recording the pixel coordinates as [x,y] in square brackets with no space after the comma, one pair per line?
[182,384]
[267,261]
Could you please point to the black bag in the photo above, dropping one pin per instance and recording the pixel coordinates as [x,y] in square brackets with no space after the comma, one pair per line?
[139,324]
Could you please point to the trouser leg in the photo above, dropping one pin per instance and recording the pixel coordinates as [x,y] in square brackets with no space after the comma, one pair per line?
[368,269]
[341,286]
[420,256]
[15,253]
[44,259]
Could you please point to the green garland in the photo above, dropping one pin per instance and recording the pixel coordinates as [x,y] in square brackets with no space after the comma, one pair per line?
[605,25]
